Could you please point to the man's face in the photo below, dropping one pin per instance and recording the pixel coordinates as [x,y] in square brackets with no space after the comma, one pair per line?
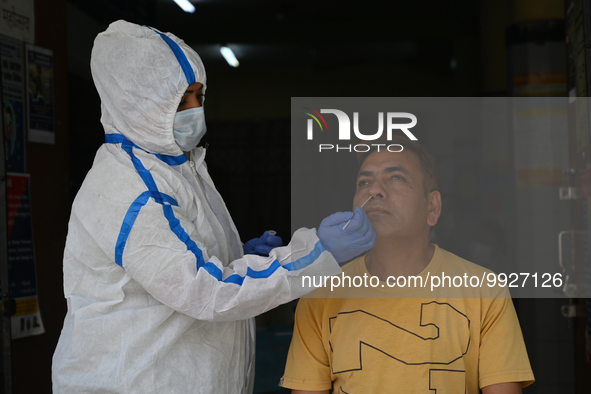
[399,207]
[192,98]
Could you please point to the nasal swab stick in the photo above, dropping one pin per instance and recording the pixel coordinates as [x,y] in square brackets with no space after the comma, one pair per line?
[370,197]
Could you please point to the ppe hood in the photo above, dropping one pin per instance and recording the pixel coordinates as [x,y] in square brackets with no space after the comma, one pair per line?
[141,76]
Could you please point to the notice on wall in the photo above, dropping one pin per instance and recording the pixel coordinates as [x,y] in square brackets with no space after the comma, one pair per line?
[40,94]
[18,19]
[13,102]
[21,259]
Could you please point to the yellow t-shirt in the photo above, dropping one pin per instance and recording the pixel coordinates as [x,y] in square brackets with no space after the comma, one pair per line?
[407,345]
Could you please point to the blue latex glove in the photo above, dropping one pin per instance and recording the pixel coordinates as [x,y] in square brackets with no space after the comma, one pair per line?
[357,238]
[262,245]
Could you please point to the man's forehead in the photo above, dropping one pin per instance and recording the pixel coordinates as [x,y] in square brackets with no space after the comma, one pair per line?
[194,87]
[383,160]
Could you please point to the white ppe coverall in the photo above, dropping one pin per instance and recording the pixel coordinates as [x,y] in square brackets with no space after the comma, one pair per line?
[160,296]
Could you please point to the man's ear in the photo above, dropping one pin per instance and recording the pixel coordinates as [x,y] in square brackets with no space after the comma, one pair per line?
[434,202]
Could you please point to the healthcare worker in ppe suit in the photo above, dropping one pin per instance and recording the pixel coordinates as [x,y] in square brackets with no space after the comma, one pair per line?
[161,297]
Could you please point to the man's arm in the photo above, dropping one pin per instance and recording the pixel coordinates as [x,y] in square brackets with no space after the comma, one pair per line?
[503,357]
[309,392]
[501,388]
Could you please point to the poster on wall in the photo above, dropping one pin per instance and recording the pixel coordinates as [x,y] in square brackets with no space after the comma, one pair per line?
[21,259]
[40,94]
[18,19]
[13,104]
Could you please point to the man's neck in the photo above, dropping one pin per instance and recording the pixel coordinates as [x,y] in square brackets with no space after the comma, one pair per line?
[401,257]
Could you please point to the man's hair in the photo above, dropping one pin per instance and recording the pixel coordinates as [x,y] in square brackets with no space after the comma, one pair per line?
[427,160]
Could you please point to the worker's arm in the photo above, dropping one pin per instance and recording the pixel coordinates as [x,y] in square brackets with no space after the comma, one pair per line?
[167,255]
[503,388]
[186,262]
[175,262]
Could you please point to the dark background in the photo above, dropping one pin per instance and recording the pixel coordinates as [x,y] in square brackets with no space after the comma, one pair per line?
[288,48]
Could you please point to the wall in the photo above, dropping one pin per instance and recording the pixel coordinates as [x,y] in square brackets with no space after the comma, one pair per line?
[48,166]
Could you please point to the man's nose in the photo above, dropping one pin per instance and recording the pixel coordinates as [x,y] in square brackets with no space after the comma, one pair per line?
[377,190]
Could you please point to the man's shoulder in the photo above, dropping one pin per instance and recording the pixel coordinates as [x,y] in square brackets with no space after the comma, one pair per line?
[454,262]
[477,281]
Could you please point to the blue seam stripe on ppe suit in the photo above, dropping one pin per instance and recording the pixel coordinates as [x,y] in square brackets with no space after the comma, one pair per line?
[143,173]
[166,201]
[128,222]
[180,57]
[170,160]
[300,263]
[306,260]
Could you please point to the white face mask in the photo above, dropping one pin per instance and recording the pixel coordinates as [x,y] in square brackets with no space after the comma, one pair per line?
[189,127]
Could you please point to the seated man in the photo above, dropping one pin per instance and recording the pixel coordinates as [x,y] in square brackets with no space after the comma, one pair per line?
[406,339]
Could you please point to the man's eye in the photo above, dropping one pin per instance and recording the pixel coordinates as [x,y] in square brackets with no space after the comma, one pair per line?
[363,182]
[397,177]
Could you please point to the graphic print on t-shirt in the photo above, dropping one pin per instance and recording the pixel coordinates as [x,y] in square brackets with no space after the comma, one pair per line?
[420,346]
